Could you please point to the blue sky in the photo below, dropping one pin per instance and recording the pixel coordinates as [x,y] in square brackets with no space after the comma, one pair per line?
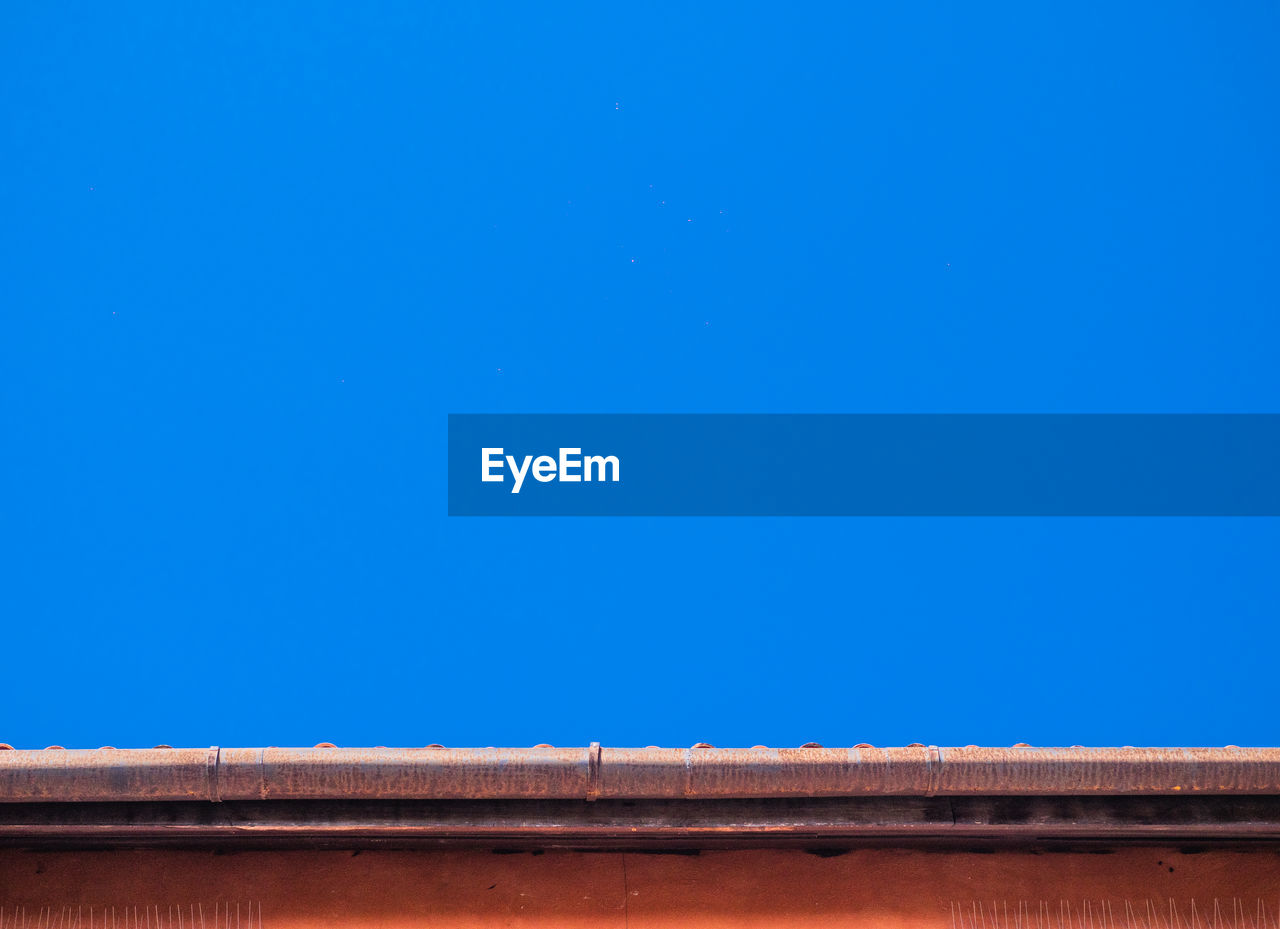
[253,255]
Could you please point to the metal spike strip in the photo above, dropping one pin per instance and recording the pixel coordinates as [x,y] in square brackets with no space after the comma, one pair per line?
[149,916]
[1220,913]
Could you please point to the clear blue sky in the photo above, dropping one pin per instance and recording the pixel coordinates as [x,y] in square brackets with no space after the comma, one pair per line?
[252,255]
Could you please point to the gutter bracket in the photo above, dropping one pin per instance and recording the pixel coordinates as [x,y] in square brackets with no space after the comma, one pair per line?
[593,771]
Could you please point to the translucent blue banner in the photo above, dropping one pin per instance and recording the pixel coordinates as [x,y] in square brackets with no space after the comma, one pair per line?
[864,465]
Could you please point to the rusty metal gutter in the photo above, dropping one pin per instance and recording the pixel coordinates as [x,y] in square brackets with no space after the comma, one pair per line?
[597,773]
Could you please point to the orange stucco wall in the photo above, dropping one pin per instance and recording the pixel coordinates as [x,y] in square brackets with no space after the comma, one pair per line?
[895,889]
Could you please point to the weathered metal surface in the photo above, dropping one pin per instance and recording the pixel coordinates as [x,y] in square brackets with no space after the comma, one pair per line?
[391,773]
[940,822]
[134,774]
[1231,770]
[766,772]
[214,774]
[1158,888]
